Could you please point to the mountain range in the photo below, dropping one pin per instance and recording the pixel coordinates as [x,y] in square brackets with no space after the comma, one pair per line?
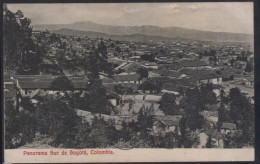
[145,32]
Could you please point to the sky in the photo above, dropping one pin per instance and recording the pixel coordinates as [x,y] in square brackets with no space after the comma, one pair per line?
[236,17]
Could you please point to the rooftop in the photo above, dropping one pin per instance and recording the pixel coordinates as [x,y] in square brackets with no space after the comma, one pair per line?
[170,120]
[229,126]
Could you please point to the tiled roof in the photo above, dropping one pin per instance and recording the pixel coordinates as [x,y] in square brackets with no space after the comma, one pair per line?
[171,87]
[170,120]
[188,71]
[38,92]
[229,126]
[132,67]
[35,85]
[193,64]
[107,80]
[151,64]
[79,84]
[167,73]
[9,91]
[44,82]
[217,135]
[127,77]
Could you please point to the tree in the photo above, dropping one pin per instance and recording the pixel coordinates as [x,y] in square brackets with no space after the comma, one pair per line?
[62,83]
[242,114]
[168,104]
[191,104]
[150,58]
[209,142]
[188,138]
[97,62]
[249,67]
[78,39]
[237,104]
[20,127]
[12,130]
[151,85]
[54,38]
[102,134]
[58,120]
[96,99]
[210,60]
[232,61]
[144,119]
[26,103]
[122,90]
[223,97]
[142,72]
[118,50]
[20,53]
[207,96]
[234,141]
[81,137]
[221,115]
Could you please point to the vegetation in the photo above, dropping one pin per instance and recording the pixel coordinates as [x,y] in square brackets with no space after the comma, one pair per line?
[62,83]
[142,72]
[152,85]
[168,105]
[21,54]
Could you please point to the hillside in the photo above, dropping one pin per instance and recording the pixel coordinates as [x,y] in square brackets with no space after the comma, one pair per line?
[91,34]
[168,32]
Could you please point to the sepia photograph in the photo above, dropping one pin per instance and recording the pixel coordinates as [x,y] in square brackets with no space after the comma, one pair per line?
[105,79]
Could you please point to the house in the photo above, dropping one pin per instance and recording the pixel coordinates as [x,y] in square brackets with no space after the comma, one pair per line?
[113,97]
[36,31]
[240,64]
[135,58]
[195,65]
[227,128]
[151,65]
[38,94]
[27,84]
[178,85]
[168,73]
[170,92]
[132,67]
[202,76]
[124,77]
[249,81]
[10,93]
[152,98]
[217,138]
[164,124]
[103,75]
[152,74]
[211,117]
[173,66]
[212,78]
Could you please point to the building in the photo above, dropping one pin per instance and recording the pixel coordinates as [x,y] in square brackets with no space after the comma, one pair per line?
[195,65]
[227,128]
[10,93]
[27,84]
[165,124]
[211,117]
[124,77]
[240,64]
[151,65]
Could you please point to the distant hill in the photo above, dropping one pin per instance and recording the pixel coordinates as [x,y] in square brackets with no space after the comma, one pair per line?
[168,32]
[91,34]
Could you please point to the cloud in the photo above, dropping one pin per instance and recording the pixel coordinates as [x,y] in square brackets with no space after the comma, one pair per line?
[224,16]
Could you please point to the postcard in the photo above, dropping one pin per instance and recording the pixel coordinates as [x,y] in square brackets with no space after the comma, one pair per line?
[128,82]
